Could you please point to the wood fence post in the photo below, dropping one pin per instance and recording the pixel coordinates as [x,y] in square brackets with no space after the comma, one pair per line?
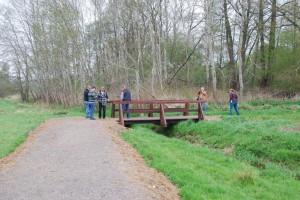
[121,117]
[186,112]
[151,108]
[162,116]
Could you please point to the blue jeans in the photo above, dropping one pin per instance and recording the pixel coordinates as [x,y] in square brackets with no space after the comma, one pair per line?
[87,109]
[125,108]
[91,109]
[203,104]
[233,104]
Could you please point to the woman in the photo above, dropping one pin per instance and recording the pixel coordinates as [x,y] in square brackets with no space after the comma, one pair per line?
[102,99]
[233,100]
[202,97]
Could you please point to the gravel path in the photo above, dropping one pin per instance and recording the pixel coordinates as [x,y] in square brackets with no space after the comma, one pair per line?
[76,158]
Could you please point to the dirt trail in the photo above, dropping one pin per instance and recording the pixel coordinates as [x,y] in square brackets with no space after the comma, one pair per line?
[77,158]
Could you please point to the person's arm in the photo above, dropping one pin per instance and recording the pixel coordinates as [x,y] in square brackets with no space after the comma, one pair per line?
[122,96]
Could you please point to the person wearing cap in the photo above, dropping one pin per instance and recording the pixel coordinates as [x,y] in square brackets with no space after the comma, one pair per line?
[233,101]
[202,97]
[86,101]
[125,96]
[92,100]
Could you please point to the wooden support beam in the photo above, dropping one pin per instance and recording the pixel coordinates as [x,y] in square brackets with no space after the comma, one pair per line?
[162,116]
[113,110]
[186,113]
[121,117]
[151,108]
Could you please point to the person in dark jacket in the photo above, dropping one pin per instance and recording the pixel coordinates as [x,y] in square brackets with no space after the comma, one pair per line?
[233,100]
[86,101]
[92,101]
[102,100]
[125,96]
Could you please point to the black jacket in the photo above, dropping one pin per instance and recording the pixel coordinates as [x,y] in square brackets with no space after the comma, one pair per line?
[86,95]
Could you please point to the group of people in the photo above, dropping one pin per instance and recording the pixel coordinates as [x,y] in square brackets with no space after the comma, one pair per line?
[90,97]
[233,100]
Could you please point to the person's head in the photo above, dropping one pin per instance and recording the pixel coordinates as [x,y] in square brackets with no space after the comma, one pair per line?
[202,88]
[93,88]
[88,87]
[123,87]
[231,90]
[102,88]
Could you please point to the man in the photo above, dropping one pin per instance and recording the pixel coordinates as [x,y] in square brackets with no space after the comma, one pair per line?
[86,101]
[92,99]
[125,96]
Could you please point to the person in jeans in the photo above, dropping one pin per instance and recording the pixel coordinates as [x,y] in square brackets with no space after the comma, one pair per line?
[202,97]
[102,99]
[233,100]
[86,101]
[125,96]
[92,99]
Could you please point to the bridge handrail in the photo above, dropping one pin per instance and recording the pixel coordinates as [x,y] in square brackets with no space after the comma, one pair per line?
[162,110]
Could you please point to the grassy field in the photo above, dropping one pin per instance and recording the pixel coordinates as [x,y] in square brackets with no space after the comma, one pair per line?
[264,163]
[17,120]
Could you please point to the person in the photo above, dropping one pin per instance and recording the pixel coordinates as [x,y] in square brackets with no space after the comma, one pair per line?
[102,99]
[125,96]
[86,101]
[233,100]
[202,96]
[92,100]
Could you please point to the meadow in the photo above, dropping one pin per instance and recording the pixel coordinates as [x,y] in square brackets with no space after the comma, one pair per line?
[264,144]
[18,119]
[263,162]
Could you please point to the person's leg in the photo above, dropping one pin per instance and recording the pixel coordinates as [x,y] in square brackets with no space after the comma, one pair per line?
[92,109]
[204,106]
[100,109]
[127,110]
[104,112]
[230,108]
[236,108]
[87,109]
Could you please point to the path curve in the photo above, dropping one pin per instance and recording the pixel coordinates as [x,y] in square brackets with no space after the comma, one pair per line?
[77,158]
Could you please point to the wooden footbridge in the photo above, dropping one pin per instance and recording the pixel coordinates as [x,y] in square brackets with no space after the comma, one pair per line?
[161,112]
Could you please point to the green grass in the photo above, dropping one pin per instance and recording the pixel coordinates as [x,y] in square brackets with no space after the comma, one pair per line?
[18,119]
[264,164]
[204,173]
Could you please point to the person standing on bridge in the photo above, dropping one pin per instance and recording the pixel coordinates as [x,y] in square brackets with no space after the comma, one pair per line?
[86,101]
[125,96]
[92,100]
[233,101]
[203,98]
[102,99]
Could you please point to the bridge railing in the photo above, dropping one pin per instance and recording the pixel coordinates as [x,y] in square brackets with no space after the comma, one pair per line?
[150,107]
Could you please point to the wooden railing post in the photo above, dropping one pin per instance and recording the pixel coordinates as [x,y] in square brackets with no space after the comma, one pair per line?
[162,116]
[121,117]
[113,110]
[151,108]
[186,113]
[200,112]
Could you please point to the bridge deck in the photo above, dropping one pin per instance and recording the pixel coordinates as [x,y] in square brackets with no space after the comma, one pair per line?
[156,120]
